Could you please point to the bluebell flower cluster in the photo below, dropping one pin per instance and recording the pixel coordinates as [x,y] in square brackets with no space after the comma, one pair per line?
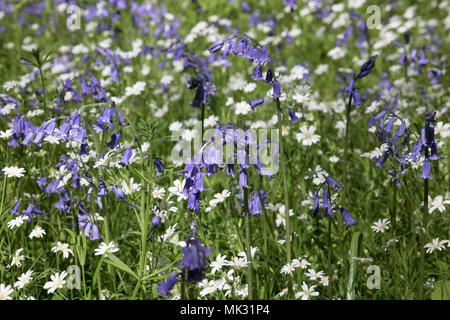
[327,204]
[192,265]
[209,160]
[366,68]
[249,49]
[426,146]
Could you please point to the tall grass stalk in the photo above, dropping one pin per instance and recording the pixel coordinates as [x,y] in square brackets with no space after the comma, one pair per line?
[424,232]
[286,192]
[248,247]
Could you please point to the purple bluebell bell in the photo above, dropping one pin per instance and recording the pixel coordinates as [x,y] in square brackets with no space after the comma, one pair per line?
[194,255]
[426,170]
[258,74]
[118,192]
[293,116]
[256,102]
[276,89]
[156,221]
[127,156]
[165,288]
[348,219]
[425,145]
[158,167]
[217,46]
[367,67]
[115,139]
[327,202]
[102,189]
[15,208]
[86,222]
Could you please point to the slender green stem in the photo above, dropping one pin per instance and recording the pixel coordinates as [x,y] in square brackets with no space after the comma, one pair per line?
[405,70]
[203,119]
[394,208]
[144,231]
[183,284]
[3,194]
[248,246]
[330,272]
[424,232]
[347,137]
[44,94]
[286,192]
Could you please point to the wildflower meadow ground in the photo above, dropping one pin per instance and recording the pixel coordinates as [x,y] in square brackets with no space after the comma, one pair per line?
[224,149]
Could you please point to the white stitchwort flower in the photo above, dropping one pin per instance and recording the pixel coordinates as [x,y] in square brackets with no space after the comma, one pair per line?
[303,263]
[239,262]
[219,263]
[219,197]
[5,292]
[438,203]
[307,136]
[64,248]
[13,171]
[129,188]
[17,257]
[437,244]
[380,225]
[106,248]
[313,275]
[57,282]
[208,287]
[24,279]
[287,269]
[158,192]
[37,232]
[242,107]
[16,222]
[306,292]
[324,281]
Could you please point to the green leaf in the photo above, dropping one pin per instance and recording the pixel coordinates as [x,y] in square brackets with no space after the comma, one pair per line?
[116,262]
[97,271]
[355,248]
[442,291]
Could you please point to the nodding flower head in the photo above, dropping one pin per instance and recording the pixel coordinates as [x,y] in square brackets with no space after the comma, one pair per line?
[327,202]
[166,287]
[194,255]
[426,145]
[367,67]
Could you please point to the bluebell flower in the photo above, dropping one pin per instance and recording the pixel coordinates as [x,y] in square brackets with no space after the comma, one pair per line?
[426,170]
[194,255]
[156,221]
[258,74]
[293,116]
[166,287]
[256,102]
[327,202]
[102,189]
[118,192]
[127,156]
[348,219]
[426,145]
[15,208]
[158,167]
[367,67]
[276,89]
[115,139]
[86,222]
